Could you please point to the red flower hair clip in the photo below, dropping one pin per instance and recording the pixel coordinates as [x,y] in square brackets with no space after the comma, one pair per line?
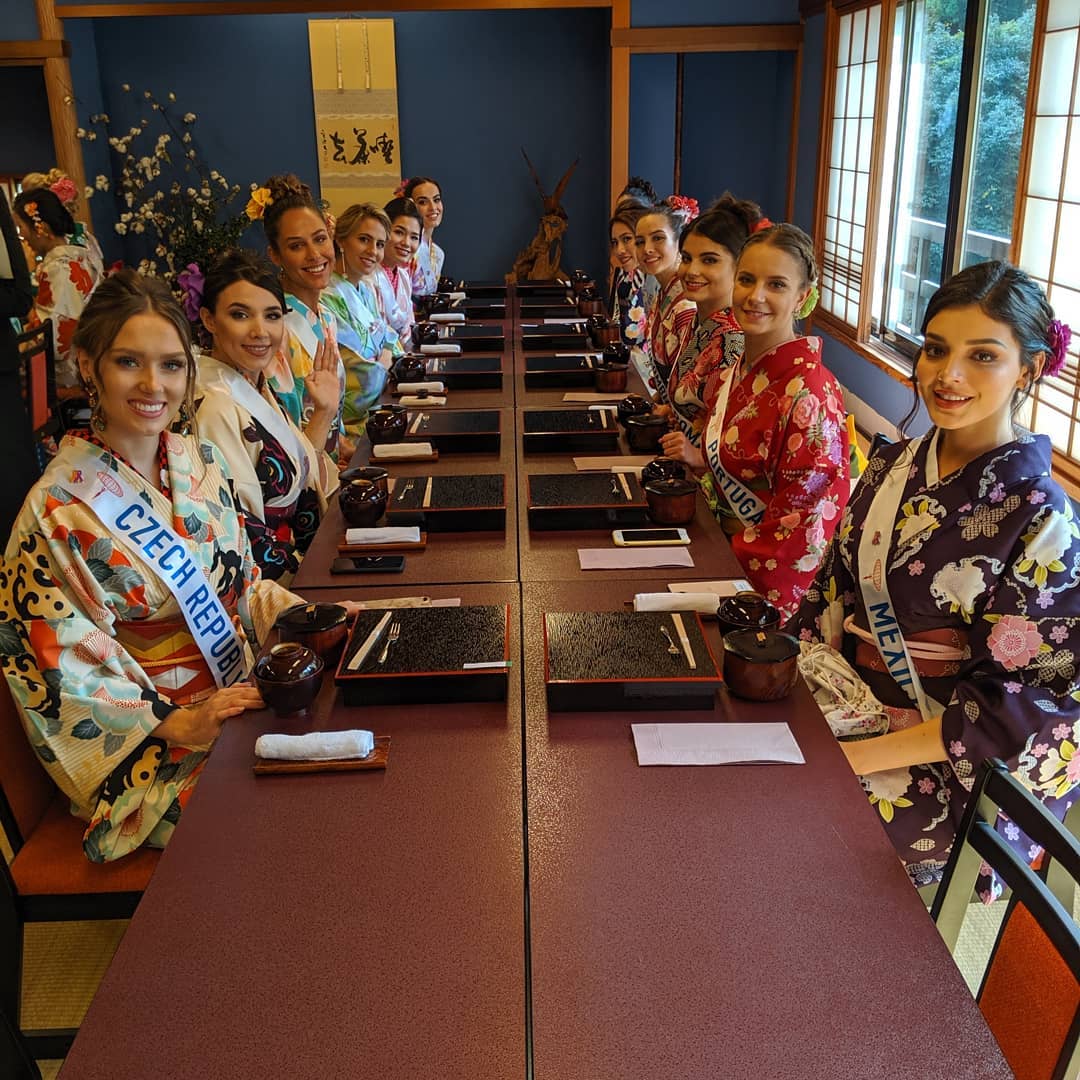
[762,224]
[399,191]
[1058,337]
[684,204]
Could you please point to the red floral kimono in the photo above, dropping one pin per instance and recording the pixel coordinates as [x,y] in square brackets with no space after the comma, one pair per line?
[671,326]
[782,435]
[715,347]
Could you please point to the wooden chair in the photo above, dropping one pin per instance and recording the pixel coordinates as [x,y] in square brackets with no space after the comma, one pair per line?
[38,376]
[49,878]
[1030,990]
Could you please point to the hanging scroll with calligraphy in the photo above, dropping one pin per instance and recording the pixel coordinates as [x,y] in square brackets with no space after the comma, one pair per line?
[354,80]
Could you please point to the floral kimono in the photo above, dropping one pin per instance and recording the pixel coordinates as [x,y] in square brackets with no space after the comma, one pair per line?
[426,268]
[716,345]
[66,277]
[776,444]
[394,291]
[630,307]
[671,325]
[982,568]
[281,481]
[95,648]
[305,329]
[362,336]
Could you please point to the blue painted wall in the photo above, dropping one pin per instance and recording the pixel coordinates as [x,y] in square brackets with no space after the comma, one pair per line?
[710,12]
[18,21]
[26,143]
[652,119]
[496,81]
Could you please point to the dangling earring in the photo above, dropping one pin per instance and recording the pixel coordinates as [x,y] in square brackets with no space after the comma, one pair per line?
[97,420]
[184,418]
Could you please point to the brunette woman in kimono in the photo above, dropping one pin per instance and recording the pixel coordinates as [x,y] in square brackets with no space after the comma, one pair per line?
[671,323]
[282,482]
[709,247]
[302,247]
[633,292]
[774,456]
[427,264]
[121,581]
[395,289]
[65,276]
[951,586]
[367,343]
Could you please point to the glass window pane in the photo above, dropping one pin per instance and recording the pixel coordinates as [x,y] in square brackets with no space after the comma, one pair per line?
[858,37]
[1040,222]
[836,149]
[854,92]
[873,33]
[1056,80]
[851,143]
[1067,259]
[843,50]
[869,90]
[1047,155]
[866,145]
[1062,13]
[840,98]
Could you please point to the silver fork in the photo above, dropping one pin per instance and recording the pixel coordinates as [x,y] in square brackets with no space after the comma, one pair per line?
[405,490]
[395,633]
[672,648]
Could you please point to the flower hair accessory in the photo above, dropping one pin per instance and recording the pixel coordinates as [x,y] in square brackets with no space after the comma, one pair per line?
[65,190]
[30,209]
[399,191]
[684,204]
[762,224]
[192,283]
[809,303]
[258,203]
[1058,336]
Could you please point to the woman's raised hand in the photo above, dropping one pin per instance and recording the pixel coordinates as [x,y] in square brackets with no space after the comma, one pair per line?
[321,384]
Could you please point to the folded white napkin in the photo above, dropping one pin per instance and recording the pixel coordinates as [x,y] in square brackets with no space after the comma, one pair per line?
[316,746]
[626,463]
[455,297]
[402,450]
[706,602]
[432,387]
[585,397]
[715,744]
[388,534]
[440,350]
[632,557]
[413,400]
[448,316]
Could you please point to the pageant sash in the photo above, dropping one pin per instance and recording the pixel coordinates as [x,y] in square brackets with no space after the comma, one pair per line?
[874,547]
[745,505]
[222,379]
[130,520]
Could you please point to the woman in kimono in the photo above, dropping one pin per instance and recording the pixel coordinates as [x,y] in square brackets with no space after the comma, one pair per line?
[709,248]
[633,292]
[367,343]
[427,266]
[302,247]
[65,276]
[282,482]
[121,580]
[671,323]
[951,586]
[774,455]
[63,187]
[395,288]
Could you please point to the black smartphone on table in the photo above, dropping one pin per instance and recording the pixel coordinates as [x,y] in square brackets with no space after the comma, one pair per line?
[368,564]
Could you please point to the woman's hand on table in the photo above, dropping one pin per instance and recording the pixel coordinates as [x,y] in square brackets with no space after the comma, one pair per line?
[678,447]
[196,726]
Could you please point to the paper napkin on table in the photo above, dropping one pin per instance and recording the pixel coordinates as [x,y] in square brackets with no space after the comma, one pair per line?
[625,463]
[705,602]
[720,588]
[414,400]
[445,349]
[388,534]
[447,316]
[588,398]
[316,746]
[632,557]
[432,387]
[402,450]
[715,744]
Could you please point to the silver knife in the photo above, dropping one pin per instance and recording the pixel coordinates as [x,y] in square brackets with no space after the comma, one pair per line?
[680,629]
[361,654]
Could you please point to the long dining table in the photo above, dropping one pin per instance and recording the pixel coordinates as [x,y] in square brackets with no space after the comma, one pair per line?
[514,896]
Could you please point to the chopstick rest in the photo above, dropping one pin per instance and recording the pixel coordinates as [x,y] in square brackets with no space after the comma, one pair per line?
[316,746]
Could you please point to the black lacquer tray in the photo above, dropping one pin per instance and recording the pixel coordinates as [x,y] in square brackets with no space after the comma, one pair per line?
[563,337]
[455,503]
[473,309]
[537,289]
[474,338]
[585,500]
[570,430]
[544,371]
[469,431]
[484,290]
[534,310]
[426,662]
[467,372]
[616,660]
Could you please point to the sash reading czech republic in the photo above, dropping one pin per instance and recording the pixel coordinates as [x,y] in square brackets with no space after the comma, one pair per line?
[130,521]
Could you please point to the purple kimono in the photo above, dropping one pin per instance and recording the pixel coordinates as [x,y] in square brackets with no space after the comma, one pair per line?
[982,569]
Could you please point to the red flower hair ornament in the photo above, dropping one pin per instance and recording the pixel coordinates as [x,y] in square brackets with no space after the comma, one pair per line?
[685,205]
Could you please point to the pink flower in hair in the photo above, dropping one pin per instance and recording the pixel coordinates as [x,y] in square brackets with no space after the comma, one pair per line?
[1058,337]
[399,191]
[685,205]
[761,225]
[65,190]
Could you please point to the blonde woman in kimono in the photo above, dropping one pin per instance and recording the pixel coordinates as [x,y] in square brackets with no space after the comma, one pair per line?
[281,480]
[122,580]
[65,276]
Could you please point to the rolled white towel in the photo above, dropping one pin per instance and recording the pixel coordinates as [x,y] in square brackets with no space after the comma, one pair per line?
[402,450]
[440,350]
[316,746]
[388,534]
[432,387]
[413,400]
[448,317]
[705,602]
